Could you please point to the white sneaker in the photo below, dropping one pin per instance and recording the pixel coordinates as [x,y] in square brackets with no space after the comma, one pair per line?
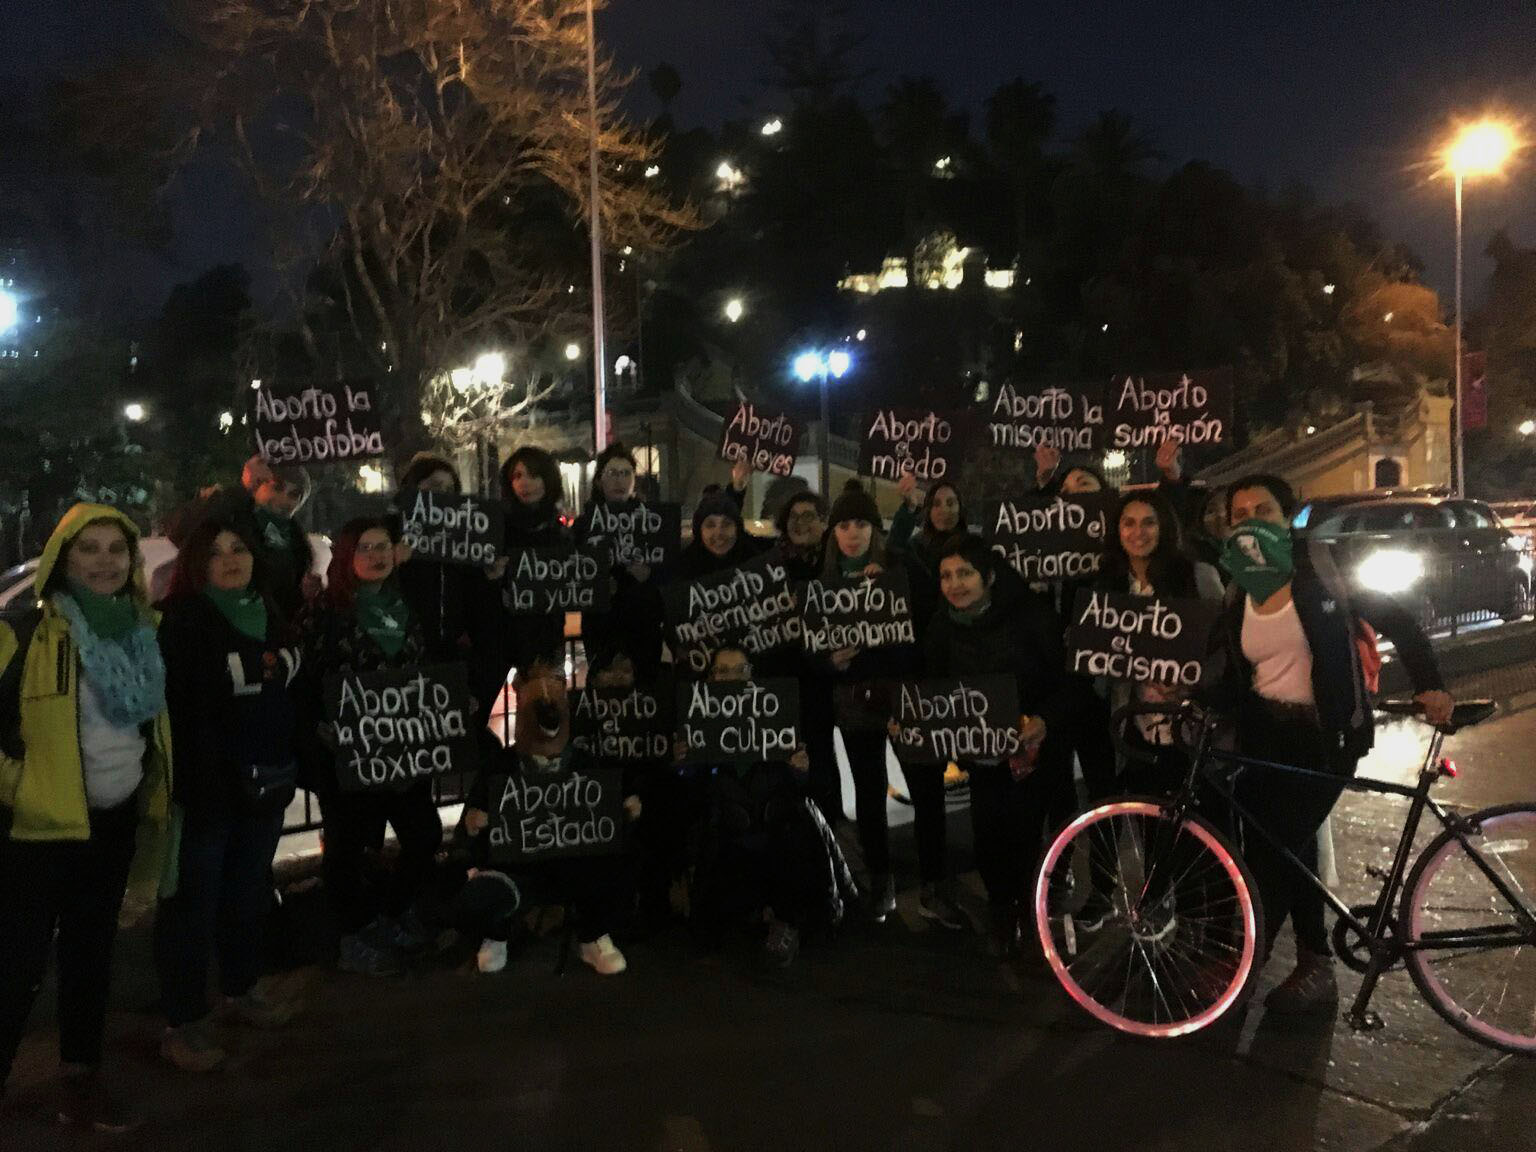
[492,956]
[601,956]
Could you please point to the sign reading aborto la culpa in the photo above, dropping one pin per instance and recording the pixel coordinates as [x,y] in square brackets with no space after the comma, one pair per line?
[318,424]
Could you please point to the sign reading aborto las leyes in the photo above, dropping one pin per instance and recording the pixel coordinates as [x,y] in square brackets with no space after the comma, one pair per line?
[925,443]
[1145,639]
[396,726]
[454,529]
[969,718]
[321,424]
[768,442]
[542,581]
[1051,539]
[739,722]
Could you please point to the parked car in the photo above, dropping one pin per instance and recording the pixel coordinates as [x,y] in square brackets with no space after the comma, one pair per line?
[158,555]
[1449,557]
[1519,516]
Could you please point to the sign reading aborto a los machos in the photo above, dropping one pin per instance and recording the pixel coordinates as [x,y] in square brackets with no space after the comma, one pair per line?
[327,423]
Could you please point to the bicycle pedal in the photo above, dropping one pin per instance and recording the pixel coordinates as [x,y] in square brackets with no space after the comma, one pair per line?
[1366,1021]
[1375,872]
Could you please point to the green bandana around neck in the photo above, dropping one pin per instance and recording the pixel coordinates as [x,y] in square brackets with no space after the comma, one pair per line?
[973,613]
[274,529]
[1258,556]
[242,607]
[852,565]
[110,617]
[382,612]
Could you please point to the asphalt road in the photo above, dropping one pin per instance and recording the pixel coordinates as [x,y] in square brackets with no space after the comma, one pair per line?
[889,1037]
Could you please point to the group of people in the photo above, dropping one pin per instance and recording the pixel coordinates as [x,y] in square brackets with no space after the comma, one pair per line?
[156,748]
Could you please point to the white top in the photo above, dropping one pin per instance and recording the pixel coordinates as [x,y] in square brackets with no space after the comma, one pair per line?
[112,756]
[1277,648]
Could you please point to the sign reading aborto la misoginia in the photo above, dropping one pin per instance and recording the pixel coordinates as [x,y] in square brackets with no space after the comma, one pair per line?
[396,726]
[454,529]
[328,423]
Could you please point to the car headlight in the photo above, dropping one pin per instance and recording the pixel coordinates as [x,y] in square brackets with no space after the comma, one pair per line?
[1524,563]
[1391,570]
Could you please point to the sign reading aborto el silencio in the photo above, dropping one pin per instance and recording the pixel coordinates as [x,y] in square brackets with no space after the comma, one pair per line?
[896,441]
[970,718]
[740,722]
[454,529]
[1048,540]
[754,606]
[862,612]
[623,725]
[541,581]
[556,815]
[399,725]
[320,424]
[642,533]
[1145,639]
[768,442]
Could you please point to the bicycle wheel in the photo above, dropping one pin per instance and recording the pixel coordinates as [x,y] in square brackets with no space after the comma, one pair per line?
[1469,949]
[1181,938]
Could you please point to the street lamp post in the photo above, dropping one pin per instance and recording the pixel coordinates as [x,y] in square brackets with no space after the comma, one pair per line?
[599,357]
[816,366]
[1479,149]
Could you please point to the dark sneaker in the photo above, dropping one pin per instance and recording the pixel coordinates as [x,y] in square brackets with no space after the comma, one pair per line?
[191,1047]
[1094,914]
[85,1102]
[783,944]
[366,956]
[935,903]
[882,891]
[1310,990]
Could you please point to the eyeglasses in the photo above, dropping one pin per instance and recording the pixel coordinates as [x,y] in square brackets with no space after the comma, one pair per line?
[376,546]
[808,516]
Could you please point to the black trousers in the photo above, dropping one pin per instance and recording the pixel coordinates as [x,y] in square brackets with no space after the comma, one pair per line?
[353,822]
[1292,809]
[871,786]
[74,887]
[1008,818]
[817,719]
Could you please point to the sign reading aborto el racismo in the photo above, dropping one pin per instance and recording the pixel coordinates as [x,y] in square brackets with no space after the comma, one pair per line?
[1145,639]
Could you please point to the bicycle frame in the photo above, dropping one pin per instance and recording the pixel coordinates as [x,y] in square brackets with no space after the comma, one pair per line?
[1385,948]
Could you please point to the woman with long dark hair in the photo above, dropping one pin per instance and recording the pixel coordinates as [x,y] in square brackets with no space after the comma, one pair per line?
[530,496]
[362,623]
[633,623]
[922,526]
[231,661]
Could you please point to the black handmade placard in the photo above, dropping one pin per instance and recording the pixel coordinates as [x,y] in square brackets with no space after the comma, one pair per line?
[541,581]
[769,442]
[615,724]
[1067,417]
[453,529]
[955,719]
[642,533]
[739,722]
[1050,540]
[923,442]
[322,424]
[1146,639]
[755,606]
[399,725]
[863,612]
[577,810]
[1191,409]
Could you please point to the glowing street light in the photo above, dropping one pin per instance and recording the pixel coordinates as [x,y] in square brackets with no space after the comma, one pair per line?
[1527,427]
[729,176]
[10,312]
[134,412]
[735,309]
[772,127]
[226,421]
[1481,148]
[463,379]
[1328,289]
[838,363]
[490,367]
[573,351]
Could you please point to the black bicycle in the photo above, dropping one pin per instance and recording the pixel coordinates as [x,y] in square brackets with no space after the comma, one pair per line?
[1181,942]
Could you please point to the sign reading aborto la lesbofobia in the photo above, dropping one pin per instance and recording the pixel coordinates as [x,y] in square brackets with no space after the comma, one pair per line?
[331,423]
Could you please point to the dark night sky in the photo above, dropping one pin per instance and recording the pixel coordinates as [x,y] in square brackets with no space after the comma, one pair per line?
[1346,96]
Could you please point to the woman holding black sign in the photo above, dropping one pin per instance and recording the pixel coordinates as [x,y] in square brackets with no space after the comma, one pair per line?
[720,536]
[530,493]
[633,624]
[362,623]
[862,683]
[990,628]
[448,599]
[921,528]
[230,664]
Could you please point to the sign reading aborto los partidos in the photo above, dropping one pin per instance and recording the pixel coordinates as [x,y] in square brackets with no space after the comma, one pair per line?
[754,606]
[1187,408]
[614,724]
[399,725]
[739,722]
[642,533]
[926,443]
[1048,540]
[320,424]
[572,811]
[541,581]
[454,529]
[1146,639]
[969,718]
[769,443]
[862,612]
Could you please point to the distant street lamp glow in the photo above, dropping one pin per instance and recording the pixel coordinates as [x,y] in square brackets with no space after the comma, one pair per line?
[807,366]
[1527,427]
[860,334]
[1388,317]
[729,176]
[134,412]
[622,365]
[773,127]
[652,171]
[838,364]
[1114,460]
[10,311]
[490,367]
[463,379]
[573,351]
[1328,289]
[256,384]
[1481,149]
[226,420]
[734,309]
